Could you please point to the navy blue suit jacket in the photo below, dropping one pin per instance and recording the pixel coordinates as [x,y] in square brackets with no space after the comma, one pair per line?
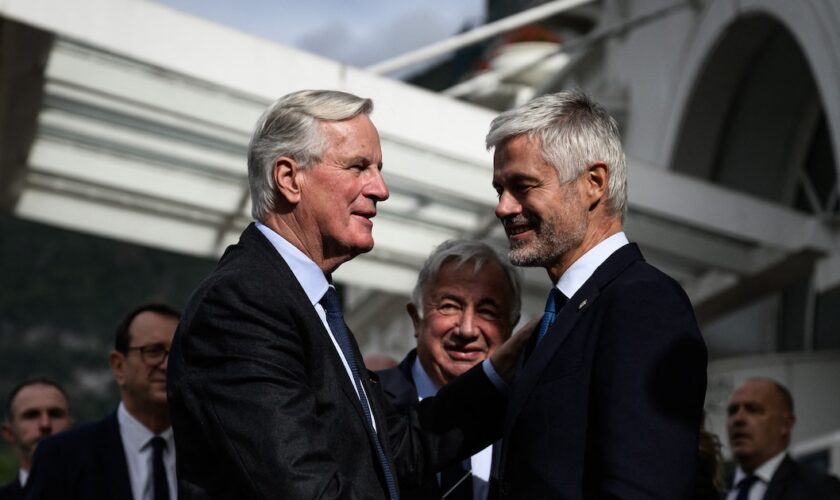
[85,463]
[12,490]
[398,384]
[609,403]
[794,481]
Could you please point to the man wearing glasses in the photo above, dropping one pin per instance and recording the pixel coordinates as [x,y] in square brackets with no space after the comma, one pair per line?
[130,454]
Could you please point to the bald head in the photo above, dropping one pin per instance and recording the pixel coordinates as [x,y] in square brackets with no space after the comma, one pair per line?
[759,422]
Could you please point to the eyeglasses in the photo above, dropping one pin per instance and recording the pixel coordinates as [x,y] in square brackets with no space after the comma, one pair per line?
[151,354]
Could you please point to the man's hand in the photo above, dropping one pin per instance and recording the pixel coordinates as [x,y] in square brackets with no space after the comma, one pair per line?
[504,358]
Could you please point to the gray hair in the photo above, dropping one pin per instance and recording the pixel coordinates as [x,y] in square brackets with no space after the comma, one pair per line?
[291,127]
[461,252]
[574,132]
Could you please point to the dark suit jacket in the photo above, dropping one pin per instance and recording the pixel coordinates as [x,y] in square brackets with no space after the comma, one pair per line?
[794,481]
[262,406]
[398,384]
[12,490]
[85,463]
[609,403]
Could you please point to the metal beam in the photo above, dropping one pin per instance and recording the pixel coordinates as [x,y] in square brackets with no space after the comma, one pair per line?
[476,35]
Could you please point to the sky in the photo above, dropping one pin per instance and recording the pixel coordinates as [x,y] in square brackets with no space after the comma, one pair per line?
[356,32]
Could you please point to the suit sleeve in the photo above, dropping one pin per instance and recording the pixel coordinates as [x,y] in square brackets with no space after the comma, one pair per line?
[650,382]
[244,382]
[247,378]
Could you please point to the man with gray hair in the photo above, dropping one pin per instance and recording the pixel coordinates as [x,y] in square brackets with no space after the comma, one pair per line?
[464,306]
[268,394]
[608,402]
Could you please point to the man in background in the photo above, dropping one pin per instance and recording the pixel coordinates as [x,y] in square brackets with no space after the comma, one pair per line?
[130,454]
[759,423]
[464,306]
[35,409]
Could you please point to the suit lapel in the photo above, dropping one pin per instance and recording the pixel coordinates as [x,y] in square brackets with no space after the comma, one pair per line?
[566,319]
[564,324]
[779,481]
[114,466]
[312,322]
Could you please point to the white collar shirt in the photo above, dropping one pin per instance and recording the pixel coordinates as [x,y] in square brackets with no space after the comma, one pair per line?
[313,282]
[138,456]
[482,461]
[583,268]
[764,475]
[23,476]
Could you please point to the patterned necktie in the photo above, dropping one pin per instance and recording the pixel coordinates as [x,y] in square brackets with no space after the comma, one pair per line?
[744,486]
[161,485]
[335,318]
[456,481]
[554,303]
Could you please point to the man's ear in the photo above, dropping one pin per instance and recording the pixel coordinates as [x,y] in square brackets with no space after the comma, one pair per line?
[414,315]
[6,431]
[286,179]
[597,181]
[116,360]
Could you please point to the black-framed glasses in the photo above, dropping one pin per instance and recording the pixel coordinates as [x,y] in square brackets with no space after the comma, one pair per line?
[153,354]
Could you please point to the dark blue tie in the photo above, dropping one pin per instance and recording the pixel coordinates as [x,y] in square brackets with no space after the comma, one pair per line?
[332,306]
[554,303]
[161,485]
[744,486]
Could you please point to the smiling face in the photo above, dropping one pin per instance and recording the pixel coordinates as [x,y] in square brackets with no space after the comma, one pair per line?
[758,423]
[466,316]
[544,219]
[338,195]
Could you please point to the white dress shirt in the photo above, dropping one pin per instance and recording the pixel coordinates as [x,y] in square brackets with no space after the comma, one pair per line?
[314,284]
[764,475]
[481,462]
[583,268]
[138,456]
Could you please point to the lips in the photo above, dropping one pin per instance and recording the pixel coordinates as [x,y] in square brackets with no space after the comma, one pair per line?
[462,354]
[738,436]
[518,225]
[364,217]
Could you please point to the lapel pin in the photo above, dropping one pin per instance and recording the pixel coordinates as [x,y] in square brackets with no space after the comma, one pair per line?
[582,304]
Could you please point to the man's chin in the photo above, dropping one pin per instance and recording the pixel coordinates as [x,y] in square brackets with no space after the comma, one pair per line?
[525,257]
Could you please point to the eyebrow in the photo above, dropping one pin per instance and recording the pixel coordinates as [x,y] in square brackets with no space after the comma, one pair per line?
[360,159]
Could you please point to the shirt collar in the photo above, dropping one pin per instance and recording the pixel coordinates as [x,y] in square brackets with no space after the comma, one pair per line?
[583,268]
[764,472]
[307,273]
[23,476]
[135,435]
[422,382]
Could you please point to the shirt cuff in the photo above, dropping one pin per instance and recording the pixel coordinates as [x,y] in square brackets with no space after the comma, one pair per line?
[494,377]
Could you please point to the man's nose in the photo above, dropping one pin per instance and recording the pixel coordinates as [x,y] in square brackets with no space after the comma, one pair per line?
[507,206]
[376,187]
[45,422]
[467,327]
[737,417]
